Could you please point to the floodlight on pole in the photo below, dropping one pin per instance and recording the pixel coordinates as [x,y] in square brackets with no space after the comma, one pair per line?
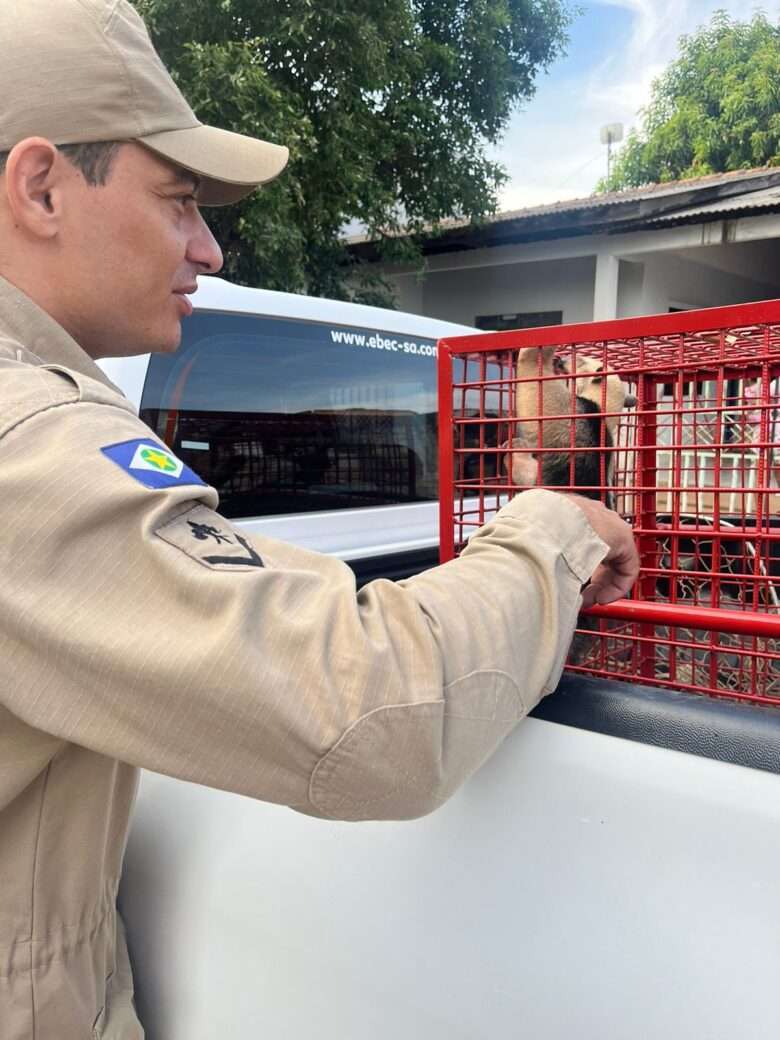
[611,134]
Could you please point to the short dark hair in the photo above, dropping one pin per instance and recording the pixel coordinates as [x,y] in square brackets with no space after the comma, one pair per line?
[93,160]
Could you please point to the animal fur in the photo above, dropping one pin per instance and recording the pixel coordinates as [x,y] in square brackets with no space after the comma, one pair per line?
[587,406]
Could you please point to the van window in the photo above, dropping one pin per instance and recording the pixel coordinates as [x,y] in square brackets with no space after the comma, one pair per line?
[287,416]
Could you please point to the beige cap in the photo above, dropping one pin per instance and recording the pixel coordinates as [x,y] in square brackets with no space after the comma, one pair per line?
[78,71]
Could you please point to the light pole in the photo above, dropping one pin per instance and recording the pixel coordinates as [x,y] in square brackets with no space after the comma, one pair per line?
[611,134]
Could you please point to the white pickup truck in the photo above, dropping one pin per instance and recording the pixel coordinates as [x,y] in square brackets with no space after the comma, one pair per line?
[610,873]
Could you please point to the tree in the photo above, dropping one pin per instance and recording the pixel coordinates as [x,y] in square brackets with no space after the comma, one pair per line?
[387,107]
[716,107]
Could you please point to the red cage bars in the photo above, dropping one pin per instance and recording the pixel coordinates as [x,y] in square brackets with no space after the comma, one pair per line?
[674,421]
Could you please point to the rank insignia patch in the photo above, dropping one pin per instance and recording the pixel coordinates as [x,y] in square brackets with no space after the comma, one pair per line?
[151,464]
[210,540]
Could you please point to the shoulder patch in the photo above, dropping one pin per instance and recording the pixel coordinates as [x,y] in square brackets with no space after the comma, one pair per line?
[151,464]
[210,540]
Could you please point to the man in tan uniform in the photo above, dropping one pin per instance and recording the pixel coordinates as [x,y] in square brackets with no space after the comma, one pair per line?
[126,638]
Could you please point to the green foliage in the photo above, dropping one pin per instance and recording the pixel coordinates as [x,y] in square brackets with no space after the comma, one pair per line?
[716,107]
[387,107]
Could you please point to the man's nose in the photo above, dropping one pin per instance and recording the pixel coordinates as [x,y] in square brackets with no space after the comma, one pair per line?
[204,249]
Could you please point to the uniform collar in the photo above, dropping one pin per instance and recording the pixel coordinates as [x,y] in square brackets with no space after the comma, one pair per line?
[32,328]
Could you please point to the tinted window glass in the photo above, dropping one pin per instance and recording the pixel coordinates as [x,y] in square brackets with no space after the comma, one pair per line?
[286,416]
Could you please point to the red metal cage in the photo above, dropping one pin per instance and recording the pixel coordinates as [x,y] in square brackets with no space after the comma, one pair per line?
[674,420]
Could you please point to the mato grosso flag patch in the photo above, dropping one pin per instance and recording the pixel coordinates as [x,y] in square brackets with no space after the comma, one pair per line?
[151,464]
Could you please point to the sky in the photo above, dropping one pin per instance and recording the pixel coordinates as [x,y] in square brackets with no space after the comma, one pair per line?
[551,148]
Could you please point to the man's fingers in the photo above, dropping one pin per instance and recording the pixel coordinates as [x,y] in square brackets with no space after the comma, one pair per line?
[616,574]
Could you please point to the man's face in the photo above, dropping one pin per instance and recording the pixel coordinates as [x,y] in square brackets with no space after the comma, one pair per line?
[131,250]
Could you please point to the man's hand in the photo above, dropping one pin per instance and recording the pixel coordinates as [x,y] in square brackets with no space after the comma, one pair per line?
[617,572]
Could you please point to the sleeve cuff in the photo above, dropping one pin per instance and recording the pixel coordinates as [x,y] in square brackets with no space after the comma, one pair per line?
[581,547]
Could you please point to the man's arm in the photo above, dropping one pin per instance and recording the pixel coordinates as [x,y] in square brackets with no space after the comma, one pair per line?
[144,626]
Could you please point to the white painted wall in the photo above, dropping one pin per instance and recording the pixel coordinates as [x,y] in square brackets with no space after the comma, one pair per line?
[461,295]
[631,289]
[756,260]
[409,292]
[648,284]
[670,279]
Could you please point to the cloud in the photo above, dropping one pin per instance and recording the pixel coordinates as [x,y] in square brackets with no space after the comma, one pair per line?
[624,79]
[552,149]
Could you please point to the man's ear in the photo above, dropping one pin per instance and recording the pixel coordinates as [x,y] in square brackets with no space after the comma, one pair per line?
[33,181]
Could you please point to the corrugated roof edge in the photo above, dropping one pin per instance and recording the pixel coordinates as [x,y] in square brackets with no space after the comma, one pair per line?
[598,202]
[754,202]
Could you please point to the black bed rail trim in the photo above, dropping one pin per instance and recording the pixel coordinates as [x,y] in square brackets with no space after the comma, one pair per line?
[727,731]
[394,566]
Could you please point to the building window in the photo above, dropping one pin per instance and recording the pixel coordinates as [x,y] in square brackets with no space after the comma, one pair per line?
[524,320]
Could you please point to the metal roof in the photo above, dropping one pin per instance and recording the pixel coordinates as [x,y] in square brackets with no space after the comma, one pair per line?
[648,193]
[649,208]
[753,201]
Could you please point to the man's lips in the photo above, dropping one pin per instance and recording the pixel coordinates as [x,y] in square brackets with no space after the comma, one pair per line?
[183,295]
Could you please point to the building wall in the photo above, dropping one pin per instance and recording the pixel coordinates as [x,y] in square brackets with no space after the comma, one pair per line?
[756,260]
[408,292]
[650,280]
[562,285]
[631,289]
[671,280]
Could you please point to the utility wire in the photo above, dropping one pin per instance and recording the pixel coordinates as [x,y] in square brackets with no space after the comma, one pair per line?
[579,170]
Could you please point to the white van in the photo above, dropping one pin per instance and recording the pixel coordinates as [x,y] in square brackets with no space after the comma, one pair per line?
[314,419]
[609,873]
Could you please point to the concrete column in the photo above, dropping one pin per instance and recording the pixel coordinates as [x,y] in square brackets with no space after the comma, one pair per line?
[605,293]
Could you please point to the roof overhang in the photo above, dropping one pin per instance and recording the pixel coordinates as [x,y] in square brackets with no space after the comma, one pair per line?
[724,196]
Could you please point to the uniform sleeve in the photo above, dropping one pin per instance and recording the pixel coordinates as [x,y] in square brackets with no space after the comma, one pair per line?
[139,623]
